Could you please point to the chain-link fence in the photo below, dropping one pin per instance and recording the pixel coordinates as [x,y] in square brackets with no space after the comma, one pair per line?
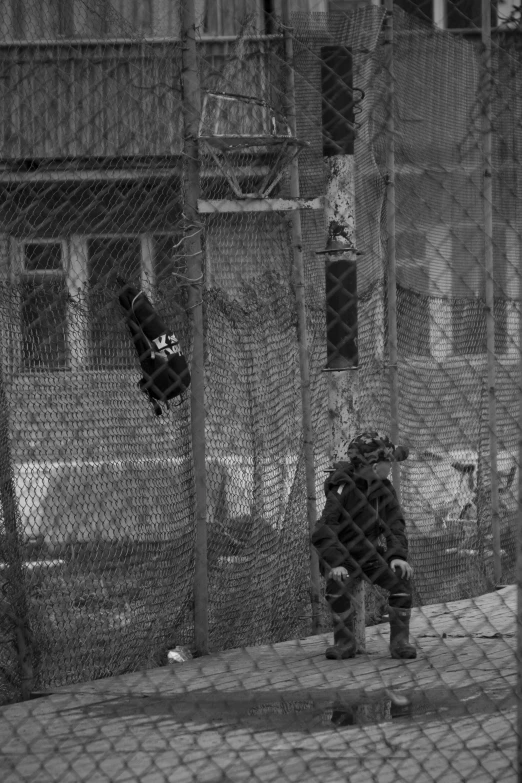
[255,257]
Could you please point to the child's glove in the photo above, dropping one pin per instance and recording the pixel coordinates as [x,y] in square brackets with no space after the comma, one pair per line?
[404,567]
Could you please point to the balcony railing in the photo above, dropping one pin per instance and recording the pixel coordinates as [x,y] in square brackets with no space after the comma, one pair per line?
[113,99]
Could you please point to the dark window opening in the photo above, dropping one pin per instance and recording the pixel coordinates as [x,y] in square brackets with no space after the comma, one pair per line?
[43,309]
[338,116]
[467,14]
[42,257]
[420,9]
[269,17]
[111,261]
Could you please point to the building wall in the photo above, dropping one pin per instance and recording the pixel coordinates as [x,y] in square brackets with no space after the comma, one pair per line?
[52,19]
[112,100]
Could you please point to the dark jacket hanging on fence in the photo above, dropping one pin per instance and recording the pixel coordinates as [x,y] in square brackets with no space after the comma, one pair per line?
[355,517]
[165,371]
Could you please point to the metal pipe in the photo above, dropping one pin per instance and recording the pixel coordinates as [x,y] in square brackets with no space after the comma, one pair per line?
[193,251]
[14,577]
[518,575]
[300,295]
[519,537]
[391,265]
[66,43]
[487,196]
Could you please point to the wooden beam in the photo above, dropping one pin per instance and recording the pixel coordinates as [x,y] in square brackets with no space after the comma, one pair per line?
[258,205]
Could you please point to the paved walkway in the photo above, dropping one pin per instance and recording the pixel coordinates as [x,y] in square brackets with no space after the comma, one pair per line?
[265,713]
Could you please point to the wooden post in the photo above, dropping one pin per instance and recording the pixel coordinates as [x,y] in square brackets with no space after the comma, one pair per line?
[391,265]
[300,295]
[487,196]
[193,253]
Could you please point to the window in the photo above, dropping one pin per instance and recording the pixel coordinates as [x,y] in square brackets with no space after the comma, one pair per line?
[441,290]
[29,19]
[410,250]
[421,9]
[469,291]
[467,14]
[69,311]
[111,261]
[43,308]
[448,14]
[413,329]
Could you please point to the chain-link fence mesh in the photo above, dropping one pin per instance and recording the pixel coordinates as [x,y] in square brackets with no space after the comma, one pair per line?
[293,197]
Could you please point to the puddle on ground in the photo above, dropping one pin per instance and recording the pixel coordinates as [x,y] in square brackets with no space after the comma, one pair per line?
[364,709]
[306,711]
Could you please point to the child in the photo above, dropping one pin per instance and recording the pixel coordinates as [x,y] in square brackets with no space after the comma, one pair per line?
[362,514]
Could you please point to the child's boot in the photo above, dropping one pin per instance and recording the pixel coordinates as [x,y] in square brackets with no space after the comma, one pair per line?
[399,634]
[343,615]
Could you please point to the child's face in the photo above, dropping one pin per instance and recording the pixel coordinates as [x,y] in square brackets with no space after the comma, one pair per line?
[382,469]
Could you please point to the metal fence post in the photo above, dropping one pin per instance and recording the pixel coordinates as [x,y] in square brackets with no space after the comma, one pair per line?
[16,605]
[519,543]
[391,265]
[487,198]
[519,533]
[300,295]
[193,252]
